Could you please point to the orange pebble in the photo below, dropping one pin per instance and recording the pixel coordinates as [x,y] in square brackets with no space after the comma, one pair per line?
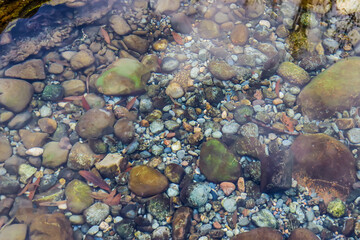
[241,184]
[227,187]
[170,135]
[144,123]
[217,225]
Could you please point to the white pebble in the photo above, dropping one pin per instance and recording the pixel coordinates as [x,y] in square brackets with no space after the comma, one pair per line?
[216,134]
[265,23]
[35,151]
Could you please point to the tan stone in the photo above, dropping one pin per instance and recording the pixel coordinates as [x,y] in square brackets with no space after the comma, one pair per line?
[73,87]
[5,149]
[239,35]
[111,165]
[32,139]
[31,69]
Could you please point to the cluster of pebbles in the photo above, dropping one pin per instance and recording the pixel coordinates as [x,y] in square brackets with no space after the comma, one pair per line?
[145,93]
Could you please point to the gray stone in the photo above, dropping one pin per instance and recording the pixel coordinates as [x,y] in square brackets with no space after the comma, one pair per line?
[195,195]
[230,128]
[249,130]
[171,125]
[169,64]
[229,204]
[264,218]
[96,213]
[156,126]
[20,120]
[9,185]
[354,135]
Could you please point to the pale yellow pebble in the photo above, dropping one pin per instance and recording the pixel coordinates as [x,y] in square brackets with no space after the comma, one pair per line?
[35,151]
[245,102]
[176,146]
[104,226]
[62,206]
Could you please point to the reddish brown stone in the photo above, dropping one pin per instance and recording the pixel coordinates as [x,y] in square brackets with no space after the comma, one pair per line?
[181,223]
[302,234]
[324,164]
[263,233]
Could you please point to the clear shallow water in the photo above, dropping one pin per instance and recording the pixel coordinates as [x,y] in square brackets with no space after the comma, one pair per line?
[231,71]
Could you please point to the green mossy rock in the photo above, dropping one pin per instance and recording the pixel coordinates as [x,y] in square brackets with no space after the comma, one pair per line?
[335,89]
[217,163]
[292,73]
[123,77]
[78,196]
[336,208]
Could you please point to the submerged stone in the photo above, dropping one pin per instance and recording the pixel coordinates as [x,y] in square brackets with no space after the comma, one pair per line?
[263,233]
[78,195]
[125,76]
[324,164]
[217,163]
[9,88]
[335,89]
[181,223]
[146,181]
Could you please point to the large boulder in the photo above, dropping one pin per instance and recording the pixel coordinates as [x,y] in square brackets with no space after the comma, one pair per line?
[217,163]
[323,163]
[15,94]
[123,77]
[335,89]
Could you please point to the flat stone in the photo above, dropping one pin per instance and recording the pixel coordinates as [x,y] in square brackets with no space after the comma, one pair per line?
[136,43]
[5,149]
[146,181]
[14,232]
[9,185]
[20,120]
[345,123]
[264,218]
[15,94]
[32,139]
[302,234]
[74,87]
[166,6]
[31,70]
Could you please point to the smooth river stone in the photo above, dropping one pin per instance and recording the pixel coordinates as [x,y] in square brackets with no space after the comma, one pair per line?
[78,195]
[31,69]
[15,94]
[334,90]
[263,233]
[5,149]
[323,163]
[95,123]
[146,181]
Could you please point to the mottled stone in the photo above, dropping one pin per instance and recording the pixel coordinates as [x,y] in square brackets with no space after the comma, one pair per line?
[81,157]
[217,163]
[78,196]
[221,70]
[292,73]
[181,223]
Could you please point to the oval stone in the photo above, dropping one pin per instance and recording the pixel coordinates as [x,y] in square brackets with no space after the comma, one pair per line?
[78,196]
[146,181]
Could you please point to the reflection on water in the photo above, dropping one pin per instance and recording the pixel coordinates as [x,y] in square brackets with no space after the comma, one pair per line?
[184,119]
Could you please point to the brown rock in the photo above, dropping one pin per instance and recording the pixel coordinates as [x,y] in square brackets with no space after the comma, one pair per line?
[13,163]
[221,70]
[31,69]
[136,43]
[73,87]
[324,164]
[165,6]
[47,125]
[82,59]
[181,223]
[348,227]
[146,181]
[5,149]
[9,88]
[95,123]
[263,233]
[81,157]
[51,226]
[345,123]
[208,29]
[302,234]
[174,172]
[14,232]
[20,120]
[124,129]
[56,68]
[119,25]
[32,139]
[5,205]
[239,35]
[54,156]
